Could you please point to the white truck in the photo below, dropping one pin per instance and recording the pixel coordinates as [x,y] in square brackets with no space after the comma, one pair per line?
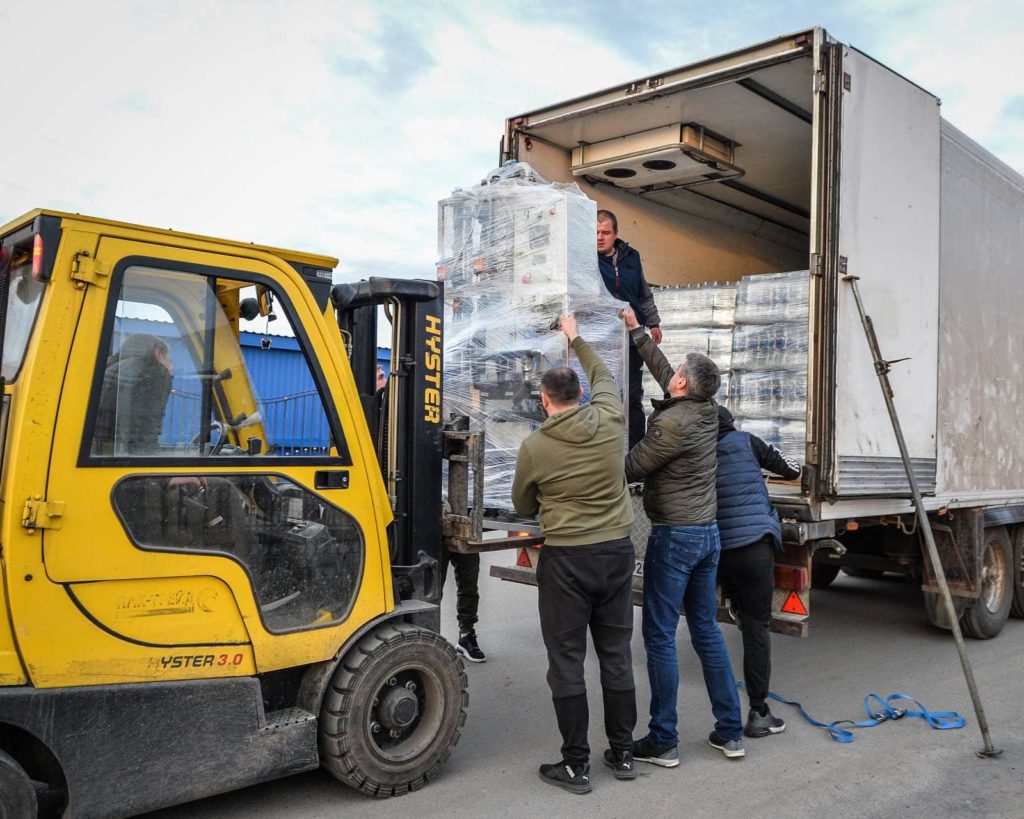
[804,153]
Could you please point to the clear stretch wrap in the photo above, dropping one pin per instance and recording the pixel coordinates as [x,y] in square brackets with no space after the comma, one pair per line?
[694,319]
[768,387]
[513,253]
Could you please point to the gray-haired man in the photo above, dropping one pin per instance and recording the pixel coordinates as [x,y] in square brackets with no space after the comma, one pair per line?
[676,460]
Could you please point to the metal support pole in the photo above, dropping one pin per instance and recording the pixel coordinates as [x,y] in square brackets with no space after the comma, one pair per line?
[882,370]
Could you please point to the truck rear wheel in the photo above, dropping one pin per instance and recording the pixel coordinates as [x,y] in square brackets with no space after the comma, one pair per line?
[988,614]
[822,574]
[393,711]
[1017,607]
[17,796]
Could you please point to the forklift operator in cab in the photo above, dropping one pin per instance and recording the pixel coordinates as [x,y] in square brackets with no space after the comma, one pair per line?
[136,387]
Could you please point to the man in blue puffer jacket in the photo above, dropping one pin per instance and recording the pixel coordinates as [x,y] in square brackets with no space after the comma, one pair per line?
[750,532]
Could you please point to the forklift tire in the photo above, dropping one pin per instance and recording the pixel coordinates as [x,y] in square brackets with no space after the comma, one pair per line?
[17,795]
[394,710]
[989,613]
[1017,607]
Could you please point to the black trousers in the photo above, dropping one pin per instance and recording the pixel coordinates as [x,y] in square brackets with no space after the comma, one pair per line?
[581,588]
[637,419]
[467,592]
[747,577]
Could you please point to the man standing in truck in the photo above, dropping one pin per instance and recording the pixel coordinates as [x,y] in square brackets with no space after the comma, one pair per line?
[676,461]
[750,533]
[570,471]
[623,276]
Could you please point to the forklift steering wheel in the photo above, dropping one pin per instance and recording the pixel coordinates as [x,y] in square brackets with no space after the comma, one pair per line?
[215,426]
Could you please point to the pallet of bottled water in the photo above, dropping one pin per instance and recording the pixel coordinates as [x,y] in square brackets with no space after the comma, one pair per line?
[709,304]
[769,298]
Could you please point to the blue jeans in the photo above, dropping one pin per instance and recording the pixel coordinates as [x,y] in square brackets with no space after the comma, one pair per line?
[679,573]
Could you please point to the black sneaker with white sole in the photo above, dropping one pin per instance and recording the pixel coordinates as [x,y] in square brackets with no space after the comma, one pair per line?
[621,763]
[732,748]
[646,751]
[765,725]
[568,777]
[469,648]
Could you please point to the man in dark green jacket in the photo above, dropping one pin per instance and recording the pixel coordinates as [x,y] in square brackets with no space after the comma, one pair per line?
[676,460]
[570,471]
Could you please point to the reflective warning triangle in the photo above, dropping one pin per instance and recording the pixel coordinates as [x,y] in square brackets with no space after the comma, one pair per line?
[524,559]
[793,605]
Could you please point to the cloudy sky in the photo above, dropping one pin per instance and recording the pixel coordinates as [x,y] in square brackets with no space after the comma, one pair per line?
[336,125]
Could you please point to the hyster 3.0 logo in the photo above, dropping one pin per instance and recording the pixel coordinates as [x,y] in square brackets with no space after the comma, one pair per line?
[432,360]
[199,660]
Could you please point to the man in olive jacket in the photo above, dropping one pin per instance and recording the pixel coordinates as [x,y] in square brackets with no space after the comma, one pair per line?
[676,460]
[570,471]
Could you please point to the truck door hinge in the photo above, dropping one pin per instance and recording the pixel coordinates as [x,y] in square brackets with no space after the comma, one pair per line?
[40,514]
[89,270]
[817,266]
[820,84]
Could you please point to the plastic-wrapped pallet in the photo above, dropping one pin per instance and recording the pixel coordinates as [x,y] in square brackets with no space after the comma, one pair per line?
[768,298]
[778,346]
[768,384]
[514,252]
[695,319]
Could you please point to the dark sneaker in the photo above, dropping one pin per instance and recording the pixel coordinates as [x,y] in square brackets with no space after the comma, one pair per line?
[572,778]
[469,649]
[732,748]
[763,726]
[646,751]
[621,762]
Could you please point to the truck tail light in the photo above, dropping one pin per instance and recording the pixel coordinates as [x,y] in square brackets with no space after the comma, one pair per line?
[791,577]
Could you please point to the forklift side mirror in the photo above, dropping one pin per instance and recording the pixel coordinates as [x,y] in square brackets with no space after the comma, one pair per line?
[265,299]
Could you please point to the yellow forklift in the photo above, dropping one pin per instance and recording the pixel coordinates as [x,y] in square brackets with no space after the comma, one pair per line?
[212,577]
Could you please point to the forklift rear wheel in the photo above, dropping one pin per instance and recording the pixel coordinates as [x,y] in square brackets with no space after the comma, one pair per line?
[988,614]
[1017,607]
[393,711]
[17,796]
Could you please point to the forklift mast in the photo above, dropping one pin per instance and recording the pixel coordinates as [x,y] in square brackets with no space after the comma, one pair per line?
[405,418]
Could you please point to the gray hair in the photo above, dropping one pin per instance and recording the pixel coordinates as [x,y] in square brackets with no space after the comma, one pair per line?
[702,375]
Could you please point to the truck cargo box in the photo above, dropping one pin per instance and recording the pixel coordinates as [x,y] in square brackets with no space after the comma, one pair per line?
[818,157]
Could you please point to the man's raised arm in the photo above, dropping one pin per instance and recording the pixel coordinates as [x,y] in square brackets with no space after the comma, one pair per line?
[603,389]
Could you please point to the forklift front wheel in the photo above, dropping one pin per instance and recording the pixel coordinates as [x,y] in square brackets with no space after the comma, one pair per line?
[393,711]
[17,796]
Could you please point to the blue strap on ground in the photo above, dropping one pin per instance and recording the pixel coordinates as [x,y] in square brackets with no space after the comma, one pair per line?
[878,710]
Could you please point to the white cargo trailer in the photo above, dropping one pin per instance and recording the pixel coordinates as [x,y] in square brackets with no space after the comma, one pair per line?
[805,153]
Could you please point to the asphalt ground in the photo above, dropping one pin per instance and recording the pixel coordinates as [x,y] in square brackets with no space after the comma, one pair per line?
[867,636]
